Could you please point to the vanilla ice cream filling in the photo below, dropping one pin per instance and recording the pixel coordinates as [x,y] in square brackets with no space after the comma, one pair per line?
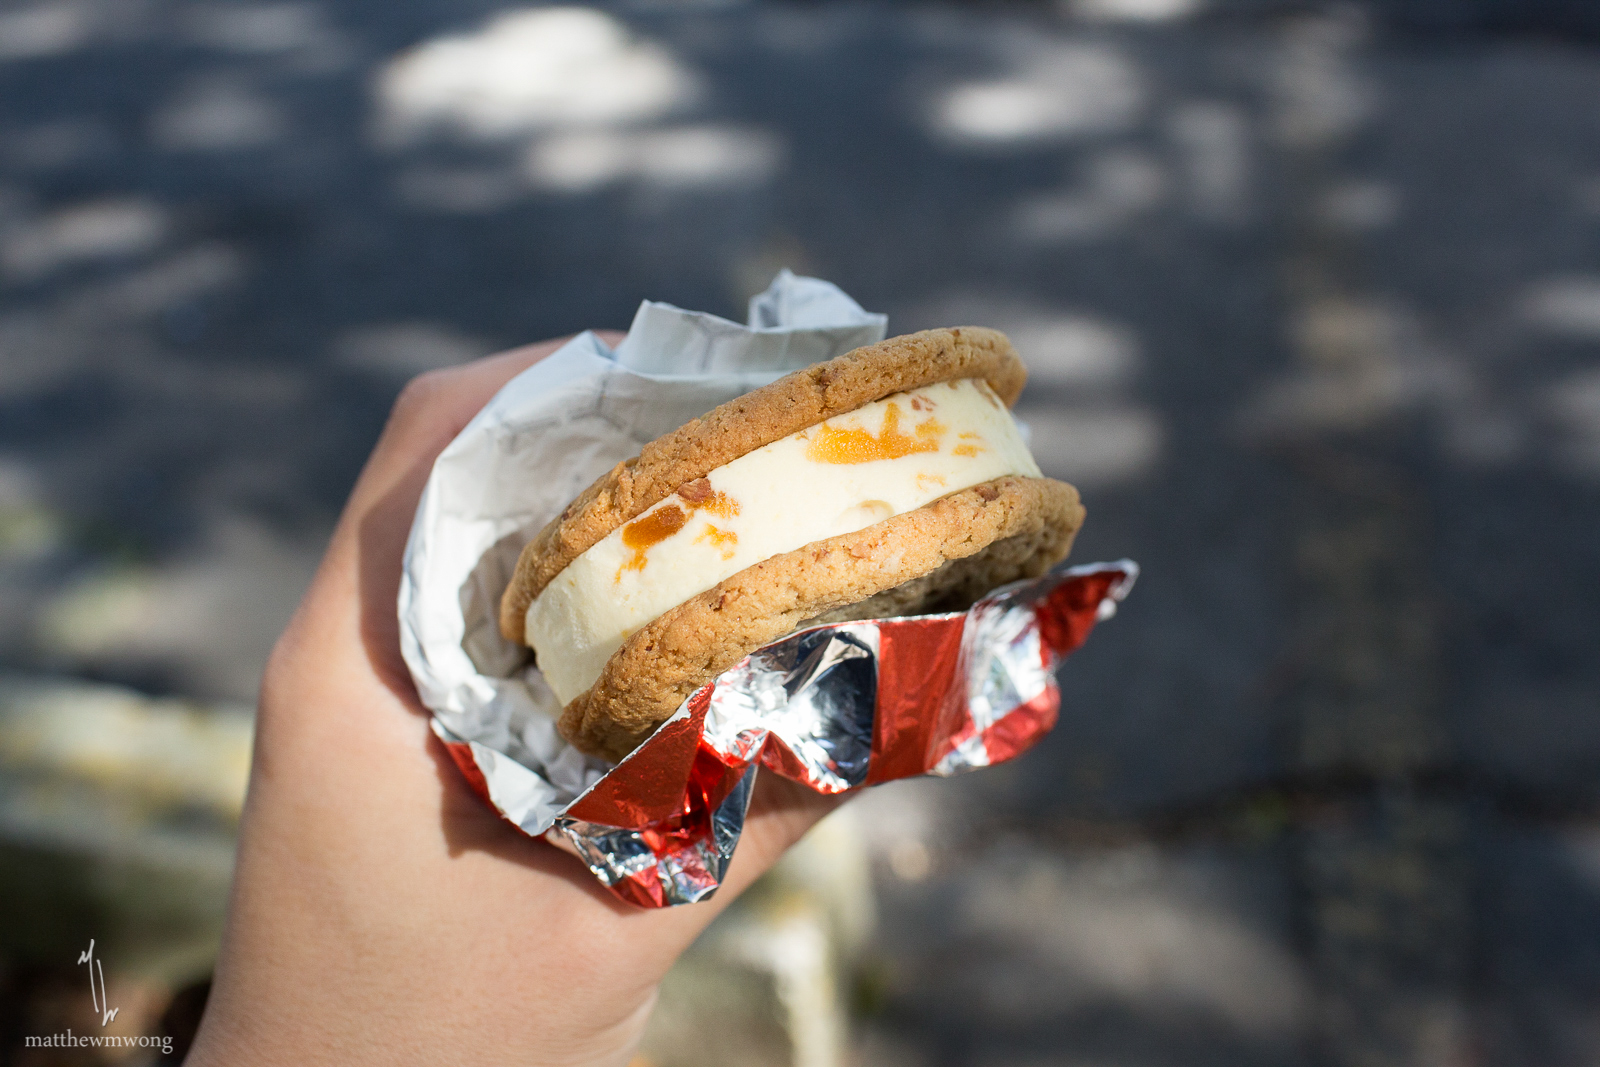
[839,476]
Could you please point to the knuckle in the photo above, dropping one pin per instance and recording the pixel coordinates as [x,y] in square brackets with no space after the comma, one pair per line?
[421,398]
[420,392]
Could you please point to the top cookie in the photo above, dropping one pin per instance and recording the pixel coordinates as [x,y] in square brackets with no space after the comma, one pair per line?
[789,405]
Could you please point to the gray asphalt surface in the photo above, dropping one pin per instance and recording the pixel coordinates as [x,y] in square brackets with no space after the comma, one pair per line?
[1313,302]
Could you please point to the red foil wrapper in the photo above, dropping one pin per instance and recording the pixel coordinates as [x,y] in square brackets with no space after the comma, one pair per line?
[837,707]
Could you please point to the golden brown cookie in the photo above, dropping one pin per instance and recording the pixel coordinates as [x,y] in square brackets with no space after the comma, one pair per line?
[941,556]
[742,425]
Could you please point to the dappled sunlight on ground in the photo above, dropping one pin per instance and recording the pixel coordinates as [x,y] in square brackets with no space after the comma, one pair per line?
[527,71]
[1311,306]
[685,157]
[561,100]
[94,231]
[1046,91]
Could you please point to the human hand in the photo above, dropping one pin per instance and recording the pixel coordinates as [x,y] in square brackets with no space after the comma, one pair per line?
[382,913]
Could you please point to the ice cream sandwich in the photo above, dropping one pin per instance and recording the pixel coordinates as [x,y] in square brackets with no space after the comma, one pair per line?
[889,481]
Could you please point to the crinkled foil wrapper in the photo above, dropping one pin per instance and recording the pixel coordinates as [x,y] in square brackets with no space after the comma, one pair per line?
[837,707]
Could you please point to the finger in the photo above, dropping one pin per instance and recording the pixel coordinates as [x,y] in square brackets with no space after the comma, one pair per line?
[434,407]
[431,410]
[355,588]
[465,389]
[781,813]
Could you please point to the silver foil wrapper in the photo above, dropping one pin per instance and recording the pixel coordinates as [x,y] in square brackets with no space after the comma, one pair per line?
[837,707]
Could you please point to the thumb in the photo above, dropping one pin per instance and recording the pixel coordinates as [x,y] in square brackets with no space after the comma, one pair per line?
[781,812]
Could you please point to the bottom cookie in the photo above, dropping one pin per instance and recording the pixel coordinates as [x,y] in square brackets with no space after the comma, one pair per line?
[939,557]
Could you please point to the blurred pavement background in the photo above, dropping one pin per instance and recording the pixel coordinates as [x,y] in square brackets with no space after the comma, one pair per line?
[1311,297]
